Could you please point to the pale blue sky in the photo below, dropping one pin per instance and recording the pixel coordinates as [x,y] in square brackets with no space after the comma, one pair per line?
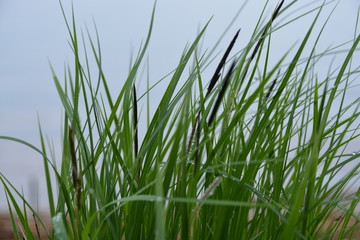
[33,32]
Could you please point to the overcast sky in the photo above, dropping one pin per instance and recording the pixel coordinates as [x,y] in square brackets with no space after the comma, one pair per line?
[33,33]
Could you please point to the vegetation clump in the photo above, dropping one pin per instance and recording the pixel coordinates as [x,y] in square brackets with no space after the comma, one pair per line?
[250,154]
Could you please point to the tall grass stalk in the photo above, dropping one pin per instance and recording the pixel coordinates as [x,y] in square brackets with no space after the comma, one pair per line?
[249,154]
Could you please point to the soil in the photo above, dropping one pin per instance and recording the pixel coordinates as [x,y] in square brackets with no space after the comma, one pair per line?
[6,231]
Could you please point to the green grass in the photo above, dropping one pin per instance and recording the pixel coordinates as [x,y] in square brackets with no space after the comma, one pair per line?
[248,154]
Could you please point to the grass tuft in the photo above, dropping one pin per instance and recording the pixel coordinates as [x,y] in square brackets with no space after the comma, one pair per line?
[263,152]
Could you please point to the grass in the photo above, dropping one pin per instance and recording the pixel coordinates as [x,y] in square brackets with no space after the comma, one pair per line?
[250,154]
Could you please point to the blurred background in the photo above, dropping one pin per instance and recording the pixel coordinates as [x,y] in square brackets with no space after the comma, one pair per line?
[33,35]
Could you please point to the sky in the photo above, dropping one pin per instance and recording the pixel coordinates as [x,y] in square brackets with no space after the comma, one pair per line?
[33,35]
